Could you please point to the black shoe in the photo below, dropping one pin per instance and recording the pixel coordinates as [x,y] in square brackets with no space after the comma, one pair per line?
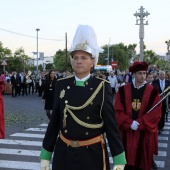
[162,130]
[154,166]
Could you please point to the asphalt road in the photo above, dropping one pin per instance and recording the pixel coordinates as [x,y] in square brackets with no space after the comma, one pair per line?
[23,112]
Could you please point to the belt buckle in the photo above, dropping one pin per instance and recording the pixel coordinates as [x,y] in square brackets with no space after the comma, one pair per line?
[75,144]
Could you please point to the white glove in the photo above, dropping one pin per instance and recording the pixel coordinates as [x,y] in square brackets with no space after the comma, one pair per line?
[134,125]
[118,167]
[45,164]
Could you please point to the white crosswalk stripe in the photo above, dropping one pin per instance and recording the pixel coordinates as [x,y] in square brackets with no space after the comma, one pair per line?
[19,152]
[19,165]
[27,146]
[28,135]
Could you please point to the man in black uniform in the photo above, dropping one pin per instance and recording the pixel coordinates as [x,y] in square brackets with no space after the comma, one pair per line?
[83,112]
[161,85]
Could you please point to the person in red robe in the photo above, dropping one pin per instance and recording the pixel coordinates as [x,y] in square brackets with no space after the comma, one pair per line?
[2,128]
[138,125]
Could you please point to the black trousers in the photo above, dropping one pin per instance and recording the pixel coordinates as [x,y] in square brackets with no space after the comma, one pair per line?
[113,91]
[31,88]
[127,167]
[14,90]
[161,123]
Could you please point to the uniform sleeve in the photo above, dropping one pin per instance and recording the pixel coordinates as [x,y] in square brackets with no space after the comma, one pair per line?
[52,129]
[111,128]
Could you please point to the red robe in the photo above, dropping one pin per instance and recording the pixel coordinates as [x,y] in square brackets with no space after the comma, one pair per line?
[139,145]
[2,127]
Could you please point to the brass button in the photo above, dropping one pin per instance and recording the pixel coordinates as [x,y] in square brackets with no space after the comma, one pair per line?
[87,133]
[68,87]
[91,103]
[65,131]
[66,101]
[86,83]
[88,117]
[91,88]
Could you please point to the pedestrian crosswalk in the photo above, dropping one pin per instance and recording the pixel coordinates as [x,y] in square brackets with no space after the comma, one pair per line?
[21,150]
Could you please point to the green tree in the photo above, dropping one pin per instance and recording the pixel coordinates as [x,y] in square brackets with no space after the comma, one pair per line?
[49,66]
[60,61]
[4,52]
[118,52]
[150,56]
[22,58]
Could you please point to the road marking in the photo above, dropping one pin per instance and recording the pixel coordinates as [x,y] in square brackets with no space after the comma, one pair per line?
[160,164]
[165,132]
[37,129]
[162,138]
[111,160]
[43,125]
[162,153]
[19,165]
[28,135]
[162,145]
[20,142]
[167,123]
[166,127]
[19,152]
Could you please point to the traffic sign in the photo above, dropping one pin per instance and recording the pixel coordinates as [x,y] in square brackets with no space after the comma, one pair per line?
[114,64]
[4,63]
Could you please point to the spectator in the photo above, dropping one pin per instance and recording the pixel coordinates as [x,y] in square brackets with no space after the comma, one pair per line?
[2,126]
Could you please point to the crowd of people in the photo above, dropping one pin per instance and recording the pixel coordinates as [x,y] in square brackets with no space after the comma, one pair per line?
[87,106]
[43,85]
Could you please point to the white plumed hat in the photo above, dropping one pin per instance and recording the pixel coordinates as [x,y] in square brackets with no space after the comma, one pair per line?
[85,40]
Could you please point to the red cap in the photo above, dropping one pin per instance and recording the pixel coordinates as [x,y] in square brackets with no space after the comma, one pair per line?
[138,66]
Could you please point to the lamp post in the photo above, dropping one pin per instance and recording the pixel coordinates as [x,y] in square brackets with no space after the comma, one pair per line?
[108,52]
[37,48]
[141,19]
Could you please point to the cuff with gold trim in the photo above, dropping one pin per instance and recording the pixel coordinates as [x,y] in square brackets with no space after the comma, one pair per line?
[119,159]
[46,155]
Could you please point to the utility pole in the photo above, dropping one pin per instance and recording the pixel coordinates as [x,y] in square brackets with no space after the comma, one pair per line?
[141,24]
[37,48]
[108,52]
[66,50]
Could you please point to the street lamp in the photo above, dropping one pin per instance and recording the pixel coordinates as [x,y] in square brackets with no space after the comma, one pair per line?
[37,48]
[108,52]
[141,19]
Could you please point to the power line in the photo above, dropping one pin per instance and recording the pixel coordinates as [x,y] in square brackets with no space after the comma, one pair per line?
[24,35]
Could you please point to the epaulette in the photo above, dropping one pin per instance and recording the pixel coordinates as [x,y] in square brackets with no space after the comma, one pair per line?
[103,80]
[65,78]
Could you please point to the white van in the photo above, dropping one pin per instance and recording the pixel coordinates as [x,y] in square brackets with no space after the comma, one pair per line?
[104,68]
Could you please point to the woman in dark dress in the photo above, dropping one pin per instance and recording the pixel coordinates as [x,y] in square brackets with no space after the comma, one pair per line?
[2,126]
[48,96]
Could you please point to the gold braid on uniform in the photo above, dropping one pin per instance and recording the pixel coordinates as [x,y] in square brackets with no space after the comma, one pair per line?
[87,125]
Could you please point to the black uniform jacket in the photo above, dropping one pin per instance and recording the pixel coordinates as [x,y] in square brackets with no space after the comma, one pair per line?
[157,85]
[66,92]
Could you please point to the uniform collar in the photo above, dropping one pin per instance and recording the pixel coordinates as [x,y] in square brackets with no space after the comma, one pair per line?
[134,85]
[80,82]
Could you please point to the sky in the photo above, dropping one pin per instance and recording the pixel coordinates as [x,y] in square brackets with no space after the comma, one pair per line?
[113,21]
